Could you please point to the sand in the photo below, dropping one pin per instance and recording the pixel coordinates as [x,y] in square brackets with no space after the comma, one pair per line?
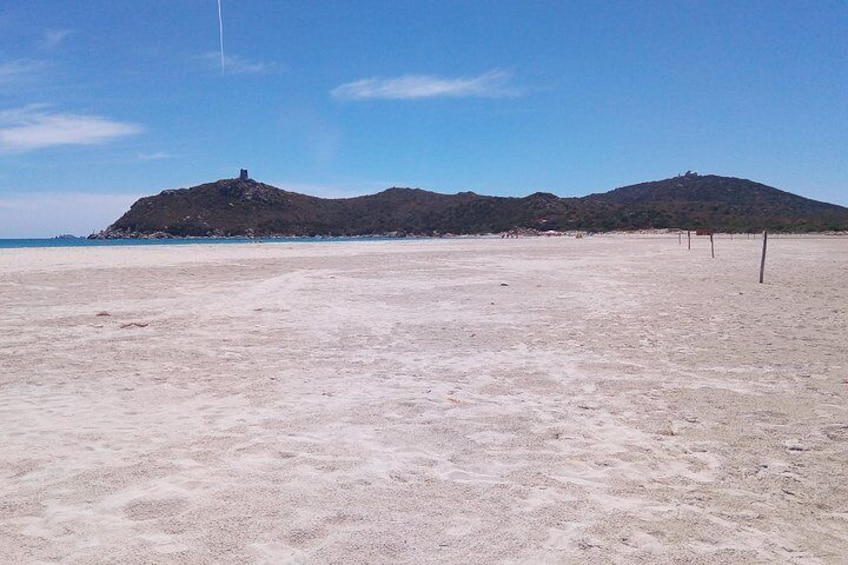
[612,399]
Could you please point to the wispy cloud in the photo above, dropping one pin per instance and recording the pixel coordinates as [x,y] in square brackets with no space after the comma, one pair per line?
[157,156]
[35,127]
[54,37]
[235,65]
[13,71]
[493,84]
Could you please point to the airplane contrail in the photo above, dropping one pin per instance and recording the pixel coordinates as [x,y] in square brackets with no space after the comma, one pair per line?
[221,34]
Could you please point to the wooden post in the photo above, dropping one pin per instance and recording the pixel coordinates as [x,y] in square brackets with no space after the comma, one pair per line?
[712,247]
[689,238]
[679,236]
[763,260]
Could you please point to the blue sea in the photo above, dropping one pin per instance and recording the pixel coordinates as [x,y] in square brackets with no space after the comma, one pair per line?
[83,242]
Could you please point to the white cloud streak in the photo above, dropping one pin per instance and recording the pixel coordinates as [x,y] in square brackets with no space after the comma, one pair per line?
[157,156]
[13,71]
[33,127]
[235,65]
[493,84]
[54,37]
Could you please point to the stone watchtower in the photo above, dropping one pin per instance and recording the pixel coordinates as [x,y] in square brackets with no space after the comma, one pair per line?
[243,175]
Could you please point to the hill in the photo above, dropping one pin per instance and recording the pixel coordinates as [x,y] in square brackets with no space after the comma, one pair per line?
[722,203]
[245,207]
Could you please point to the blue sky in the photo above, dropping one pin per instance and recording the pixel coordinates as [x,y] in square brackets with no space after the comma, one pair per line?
[104,101]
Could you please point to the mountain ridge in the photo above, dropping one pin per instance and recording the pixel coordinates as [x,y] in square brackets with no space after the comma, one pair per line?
[245,207]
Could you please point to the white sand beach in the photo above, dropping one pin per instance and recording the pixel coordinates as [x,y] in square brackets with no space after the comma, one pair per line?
[611,399]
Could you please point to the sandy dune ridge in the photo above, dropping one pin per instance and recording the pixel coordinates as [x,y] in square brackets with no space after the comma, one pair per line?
[614,399]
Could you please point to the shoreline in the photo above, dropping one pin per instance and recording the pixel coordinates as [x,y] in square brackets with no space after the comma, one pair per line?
[83,241]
